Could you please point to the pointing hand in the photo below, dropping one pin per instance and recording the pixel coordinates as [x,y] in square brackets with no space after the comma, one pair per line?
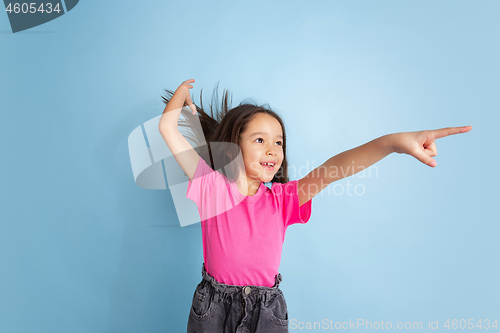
[421,144]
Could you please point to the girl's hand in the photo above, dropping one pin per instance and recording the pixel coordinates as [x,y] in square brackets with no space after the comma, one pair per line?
[421,144]
[186,85]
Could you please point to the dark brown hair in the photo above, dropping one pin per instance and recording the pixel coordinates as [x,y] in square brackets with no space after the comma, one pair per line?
[225,126]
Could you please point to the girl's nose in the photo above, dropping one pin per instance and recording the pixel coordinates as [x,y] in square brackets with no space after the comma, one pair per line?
[271,152]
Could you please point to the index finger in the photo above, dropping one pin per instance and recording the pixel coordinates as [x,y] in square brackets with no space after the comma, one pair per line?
[442,132]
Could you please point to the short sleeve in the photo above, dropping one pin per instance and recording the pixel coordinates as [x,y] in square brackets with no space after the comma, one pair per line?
[209,190]
[292,211]
[201,182]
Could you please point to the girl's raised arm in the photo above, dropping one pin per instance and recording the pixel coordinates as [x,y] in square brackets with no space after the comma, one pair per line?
[181,149]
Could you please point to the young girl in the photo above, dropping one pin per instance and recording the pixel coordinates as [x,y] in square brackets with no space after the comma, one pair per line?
[243,221]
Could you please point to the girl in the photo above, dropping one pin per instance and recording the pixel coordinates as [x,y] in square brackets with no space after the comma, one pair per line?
[243,221]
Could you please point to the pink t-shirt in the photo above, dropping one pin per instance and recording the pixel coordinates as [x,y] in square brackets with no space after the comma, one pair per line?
[243,235]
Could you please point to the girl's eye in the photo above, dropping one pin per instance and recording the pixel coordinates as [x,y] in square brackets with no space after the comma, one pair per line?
[280,143]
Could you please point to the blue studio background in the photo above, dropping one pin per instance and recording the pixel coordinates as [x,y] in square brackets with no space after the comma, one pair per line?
[84,249]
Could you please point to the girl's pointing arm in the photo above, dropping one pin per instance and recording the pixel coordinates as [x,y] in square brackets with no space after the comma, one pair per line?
[417,144]
[343,165]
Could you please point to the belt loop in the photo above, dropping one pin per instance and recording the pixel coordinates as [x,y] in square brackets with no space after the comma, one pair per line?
[277,280]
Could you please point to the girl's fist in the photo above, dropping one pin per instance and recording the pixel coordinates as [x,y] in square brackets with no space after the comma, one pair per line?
[187,85]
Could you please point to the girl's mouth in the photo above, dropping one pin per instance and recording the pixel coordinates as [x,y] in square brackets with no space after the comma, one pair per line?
[268,166]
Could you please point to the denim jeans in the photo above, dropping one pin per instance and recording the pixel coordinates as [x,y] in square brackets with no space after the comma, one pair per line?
[222,308]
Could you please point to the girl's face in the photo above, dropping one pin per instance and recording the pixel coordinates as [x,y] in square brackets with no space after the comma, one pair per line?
[262,142]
